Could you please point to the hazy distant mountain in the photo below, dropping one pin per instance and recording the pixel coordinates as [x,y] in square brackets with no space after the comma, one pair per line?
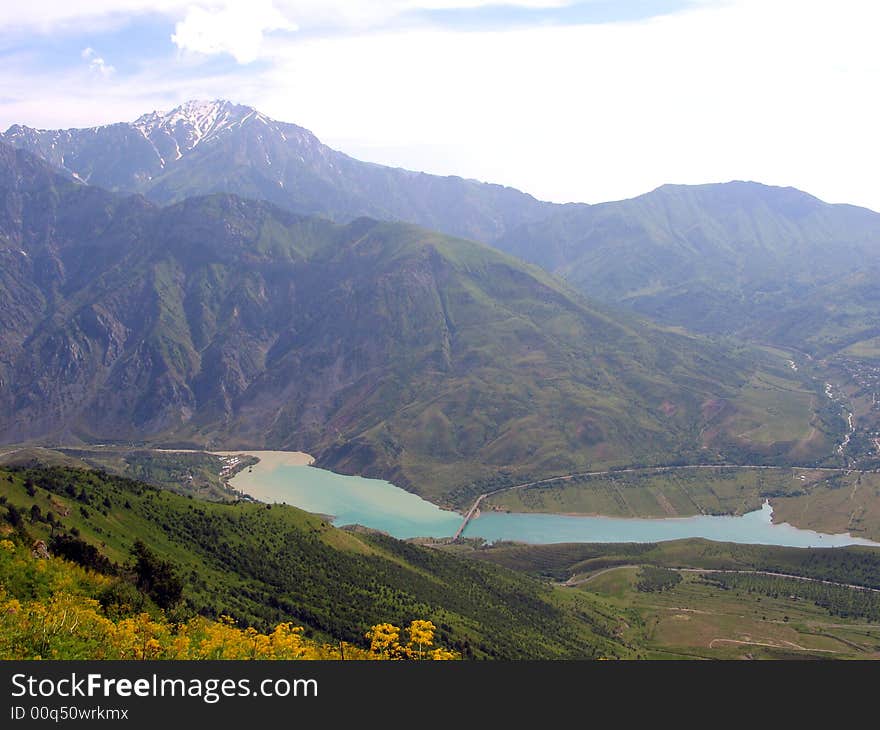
[739,257]
[382,348]
[208,147]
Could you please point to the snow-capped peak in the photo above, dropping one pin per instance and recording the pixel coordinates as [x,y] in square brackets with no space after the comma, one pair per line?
[194,122]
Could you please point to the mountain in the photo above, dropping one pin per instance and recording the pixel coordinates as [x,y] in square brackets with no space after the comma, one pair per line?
[760,262]
[210,147]
[382,348]
[765,262]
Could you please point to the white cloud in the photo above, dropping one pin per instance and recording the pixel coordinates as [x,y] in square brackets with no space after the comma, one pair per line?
[78,97]
[236,28]
[373,13]
[772,90]
[50,15]
[780,91]
[96,64]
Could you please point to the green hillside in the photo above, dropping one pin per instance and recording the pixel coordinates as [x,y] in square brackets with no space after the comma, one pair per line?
[848,565]
[56,609]
[769,263]
[383,349]
[774,264]
[266,564]
[690,599]
[269,565]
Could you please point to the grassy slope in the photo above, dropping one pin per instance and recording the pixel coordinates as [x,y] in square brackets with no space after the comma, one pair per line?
[383,349]
[773,263]
[537,382]
[52,608]
[856,565]
[651,494]
[695,619]
[265,564]
[841,503]
[197,473]
[833,316]
[830,502]
[753,617]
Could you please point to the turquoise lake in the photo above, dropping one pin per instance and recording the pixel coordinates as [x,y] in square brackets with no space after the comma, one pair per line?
[382,506]
[755,528]
[350,500]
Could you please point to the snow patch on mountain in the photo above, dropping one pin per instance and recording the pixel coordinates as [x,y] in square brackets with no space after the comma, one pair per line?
[194,122]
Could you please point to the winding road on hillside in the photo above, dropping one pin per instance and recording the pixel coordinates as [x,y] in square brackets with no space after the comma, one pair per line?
[469,515]
[586,579]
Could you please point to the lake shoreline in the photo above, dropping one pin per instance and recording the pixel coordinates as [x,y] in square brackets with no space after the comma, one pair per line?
[380,505]
[273,459]
[283,478]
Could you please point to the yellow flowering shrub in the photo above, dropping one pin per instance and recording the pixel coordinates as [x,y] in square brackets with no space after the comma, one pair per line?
[385,642]
[421,634]
[47,612]
[383,639]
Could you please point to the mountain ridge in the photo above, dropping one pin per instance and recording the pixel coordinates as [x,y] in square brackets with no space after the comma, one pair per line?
[383,348]
[218,146]
[726,258]
[763,263]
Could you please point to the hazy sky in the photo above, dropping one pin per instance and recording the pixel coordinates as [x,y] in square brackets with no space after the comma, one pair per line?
[570,101]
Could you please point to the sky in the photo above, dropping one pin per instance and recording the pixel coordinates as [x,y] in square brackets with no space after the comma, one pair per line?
[569,100]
